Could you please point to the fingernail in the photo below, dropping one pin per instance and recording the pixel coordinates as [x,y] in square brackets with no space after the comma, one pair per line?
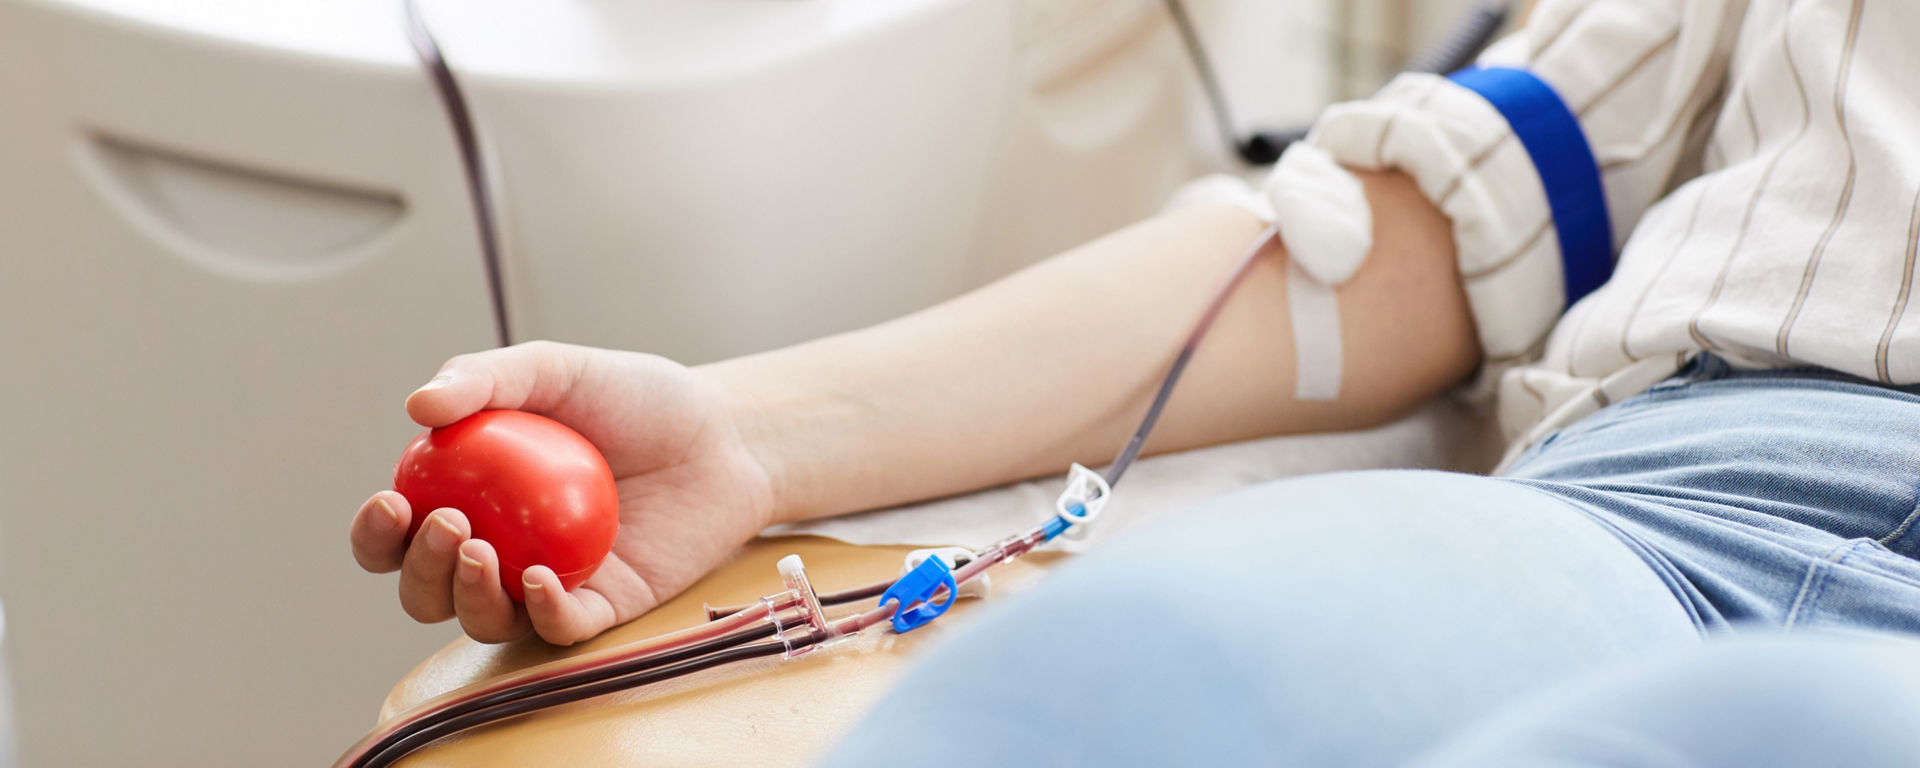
[448,536]
[385,516]
[470,569]
[532,588]
[436,382]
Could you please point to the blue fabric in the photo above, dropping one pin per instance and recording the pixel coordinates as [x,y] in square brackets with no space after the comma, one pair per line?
[1790,700]
[1340,619]
[1772,498]
[1372,618]
[1554,140]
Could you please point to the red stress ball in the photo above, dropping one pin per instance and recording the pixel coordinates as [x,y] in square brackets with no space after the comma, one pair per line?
[537,491]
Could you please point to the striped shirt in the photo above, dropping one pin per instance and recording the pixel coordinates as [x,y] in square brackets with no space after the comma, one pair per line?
[1761,163]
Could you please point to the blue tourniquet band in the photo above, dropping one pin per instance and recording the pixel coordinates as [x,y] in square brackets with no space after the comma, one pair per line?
[1552,136]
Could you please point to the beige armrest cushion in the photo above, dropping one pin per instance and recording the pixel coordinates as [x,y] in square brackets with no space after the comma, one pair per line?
[775,713]
[764,713]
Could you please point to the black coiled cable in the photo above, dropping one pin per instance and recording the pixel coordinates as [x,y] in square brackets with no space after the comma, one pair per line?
[1458,50]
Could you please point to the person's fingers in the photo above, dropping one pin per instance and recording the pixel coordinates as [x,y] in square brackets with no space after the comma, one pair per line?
[379,532]
[486,613]
[426,574]
[562,617]
[534,376]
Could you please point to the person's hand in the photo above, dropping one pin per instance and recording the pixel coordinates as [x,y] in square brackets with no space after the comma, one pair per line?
[690,492]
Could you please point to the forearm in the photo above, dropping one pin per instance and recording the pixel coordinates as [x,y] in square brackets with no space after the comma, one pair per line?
[1056,363]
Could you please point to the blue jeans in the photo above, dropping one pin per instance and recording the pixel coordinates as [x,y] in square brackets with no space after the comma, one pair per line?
[1586,608]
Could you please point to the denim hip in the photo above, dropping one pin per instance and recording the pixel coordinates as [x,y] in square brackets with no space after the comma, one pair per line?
[1784,498]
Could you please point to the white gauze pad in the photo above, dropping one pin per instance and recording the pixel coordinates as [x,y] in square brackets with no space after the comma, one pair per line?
[1322,212]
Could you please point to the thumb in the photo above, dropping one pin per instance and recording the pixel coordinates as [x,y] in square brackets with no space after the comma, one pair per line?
[445,399]
[536,376]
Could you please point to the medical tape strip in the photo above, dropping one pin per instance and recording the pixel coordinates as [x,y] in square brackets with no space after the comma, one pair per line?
[1552,136]
[1324,218]
[1317,353]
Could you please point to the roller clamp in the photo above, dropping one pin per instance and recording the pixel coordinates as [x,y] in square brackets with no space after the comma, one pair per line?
[953,557]
[912,595]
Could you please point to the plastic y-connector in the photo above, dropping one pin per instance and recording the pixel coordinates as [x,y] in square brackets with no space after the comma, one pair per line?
[781,631]
[813,623]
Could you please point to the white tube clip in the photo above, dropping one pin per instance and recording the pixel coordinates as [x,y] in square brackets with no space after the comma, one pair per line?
[1086,494]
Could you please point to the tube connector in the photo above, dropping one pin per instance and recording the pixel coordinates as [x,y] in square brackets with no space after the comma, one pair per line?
[812,619]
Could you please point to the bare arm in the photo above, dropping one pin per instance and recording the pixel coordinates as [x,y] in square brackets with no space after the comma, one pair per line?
[1051,365]
[1056,363]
